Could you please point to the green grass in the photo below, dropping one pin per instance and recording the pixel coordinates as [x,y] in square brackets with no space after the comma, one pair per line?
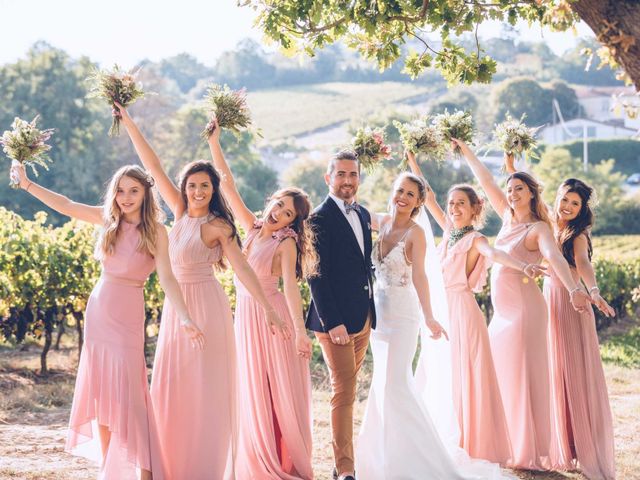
[286,112]
[622,350]
[620,248]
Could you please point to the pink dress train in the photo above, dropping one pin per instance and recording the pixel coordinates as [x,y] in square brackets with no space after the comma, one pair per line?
[111,384]
[194,391]
[275,383]
[518,336]
[477,401]
[582,425]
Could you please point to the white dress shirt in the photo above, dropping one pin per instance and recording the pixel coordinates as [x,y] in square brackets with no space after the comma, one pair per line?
[353,219]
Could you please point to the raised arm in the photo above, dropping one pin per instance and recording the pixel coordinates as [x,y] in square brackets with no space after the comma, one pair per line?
[498,256]
[588,276]
[418,243]
[510,163]
[168,190]
[549,249]
[288,255]
[430,200]
[59,203]
[171,288]
[228,184]
[496,196]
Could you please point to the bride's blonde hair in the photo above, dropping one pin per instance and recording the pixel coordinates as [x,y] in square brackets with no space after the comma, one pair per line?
[150,215]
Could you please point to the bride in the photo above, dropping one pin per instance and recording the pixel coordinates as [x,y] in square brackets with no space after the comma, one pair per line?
[398,439]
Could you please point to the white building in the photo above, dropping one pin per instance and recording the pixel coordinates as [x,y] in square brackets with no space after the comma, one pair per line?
[608,103]
[578,128]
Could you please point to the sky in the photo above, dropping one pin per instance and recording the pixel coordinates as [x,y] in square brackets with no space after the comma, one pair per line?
[126,32]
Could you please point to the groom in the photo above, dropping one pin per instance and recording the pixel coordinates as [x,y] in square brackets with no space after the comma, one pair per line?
[342,312]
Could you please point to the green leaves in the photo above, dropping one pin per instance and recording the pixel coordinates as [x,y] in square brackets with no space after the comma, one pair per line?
[378,29]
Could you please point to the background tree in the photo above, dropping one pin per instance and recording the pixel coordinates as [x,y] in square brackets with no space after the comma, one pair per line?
[308,175]
[379,30]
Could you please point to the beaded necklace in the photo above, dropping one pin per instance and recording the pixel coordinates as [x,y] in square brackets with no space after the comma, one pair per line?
[457,233]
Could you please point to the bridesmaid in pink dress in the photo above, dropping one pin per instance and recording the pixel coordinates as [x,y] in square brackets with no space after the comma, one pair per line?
[194,393]
[465,257]
[111,416]
[581,421]
[275,386]
[518,329]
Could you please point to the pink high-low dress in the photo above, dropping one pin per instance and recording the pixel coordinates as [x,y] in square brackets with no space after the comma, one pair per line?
[478,404]
[194,391]
[275,383]
[582,426]
[518,337]
[111,385]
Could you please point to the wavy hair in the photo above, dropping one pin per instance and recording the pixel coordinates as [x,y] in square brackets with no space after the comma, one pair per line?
[150,216]
[538,208]
[306,257]
[218,207]
[583,222]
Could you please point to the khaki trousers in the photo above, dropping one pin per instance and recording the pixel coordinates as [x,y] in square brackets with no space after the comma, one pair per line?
[344,362]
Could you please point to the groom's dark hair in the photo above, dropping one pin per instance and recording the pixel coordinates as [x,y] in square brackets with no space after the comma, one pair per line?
[344,154]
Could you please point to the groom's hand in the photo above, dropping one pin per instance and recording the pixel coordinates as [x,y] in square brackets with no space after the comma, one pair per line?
[339,335]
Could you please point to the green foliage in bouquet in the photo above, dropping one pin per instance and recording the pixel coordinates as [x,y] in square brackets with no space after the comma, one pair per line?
[422,137]
[229,108]
[369,145]
[27,144]
[115,85]
[458,124]
[514,138]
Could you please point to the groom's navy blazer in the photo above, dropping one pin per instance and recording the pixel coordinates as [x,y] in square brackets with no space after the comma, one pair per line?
[341,292]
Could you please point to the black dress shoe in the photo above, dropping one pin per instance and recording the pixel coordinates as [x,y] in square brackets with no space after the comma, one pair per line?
[349,477]
[334,475]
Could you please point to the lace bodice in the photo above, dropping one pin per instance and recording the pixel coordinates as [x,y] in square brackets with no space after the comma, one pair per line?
[392,270]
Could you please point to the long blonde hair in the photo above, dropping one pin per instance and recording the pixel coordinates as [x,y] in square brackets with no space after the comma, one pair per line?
[150,214]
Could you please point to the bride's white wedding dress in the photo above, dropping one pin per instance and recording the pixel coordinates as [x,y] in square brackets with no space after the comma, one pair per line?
[398,439]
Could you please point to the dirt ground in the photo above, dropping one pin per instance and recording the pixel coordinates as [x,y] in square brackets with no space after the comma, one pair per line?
[34,413]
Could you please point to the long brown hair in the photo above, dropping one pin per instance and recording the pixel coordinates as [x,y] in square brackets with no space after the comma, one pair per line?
[583,222]
[218,207]
[150,215]
[306,257]
[537,206]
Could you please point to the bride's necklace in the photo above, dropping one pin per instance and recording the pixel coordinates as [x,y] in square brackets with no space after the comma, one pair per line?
[457,233]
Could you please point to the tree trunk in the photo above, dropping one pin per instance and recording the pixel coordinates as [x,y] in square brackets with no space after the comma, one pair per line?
[49,320]
[616,23]
[59,336]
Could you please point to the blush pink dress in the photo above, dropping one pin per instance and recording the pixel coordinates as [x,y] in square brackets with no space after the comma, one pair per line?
[111,385]
[518,336]
[194,391]
[274,382]
[477,400]
[582,425]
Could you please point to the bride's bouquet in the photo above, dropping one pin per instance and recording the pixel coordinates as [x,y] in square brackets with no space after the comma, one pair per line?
[26,144]
[458,124]
[420,136]
[514,138]
[115,85]
[369,146]
[228,107]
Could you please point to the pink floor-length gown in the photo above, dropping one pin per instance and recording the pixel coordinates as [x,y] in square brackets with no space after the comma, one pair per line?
[518,337]
[194,391]
[275,383]
[111,386]
[582,425]
[477,401]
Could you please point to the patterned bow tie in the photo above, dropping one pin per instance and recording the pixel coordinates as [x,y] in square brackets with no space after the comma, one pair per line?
[348,207]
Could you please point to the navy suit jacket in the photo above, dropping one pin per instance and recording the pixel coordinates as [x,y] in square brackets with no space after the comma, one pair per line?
[341,292]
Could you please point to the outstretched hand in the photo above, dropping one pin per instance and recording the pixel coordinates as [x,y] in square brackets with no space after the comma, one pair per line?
[436,329]
[120,112]
[195,334]
[18,174]
[602,305]
[215,129]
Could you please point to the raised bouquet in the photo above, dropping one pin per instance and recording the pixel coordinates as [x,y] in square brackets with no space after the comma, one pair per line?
[420,136]
[369,146]
[115,85]
[514,138]
[26,144]
[228,107]
[458,124]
